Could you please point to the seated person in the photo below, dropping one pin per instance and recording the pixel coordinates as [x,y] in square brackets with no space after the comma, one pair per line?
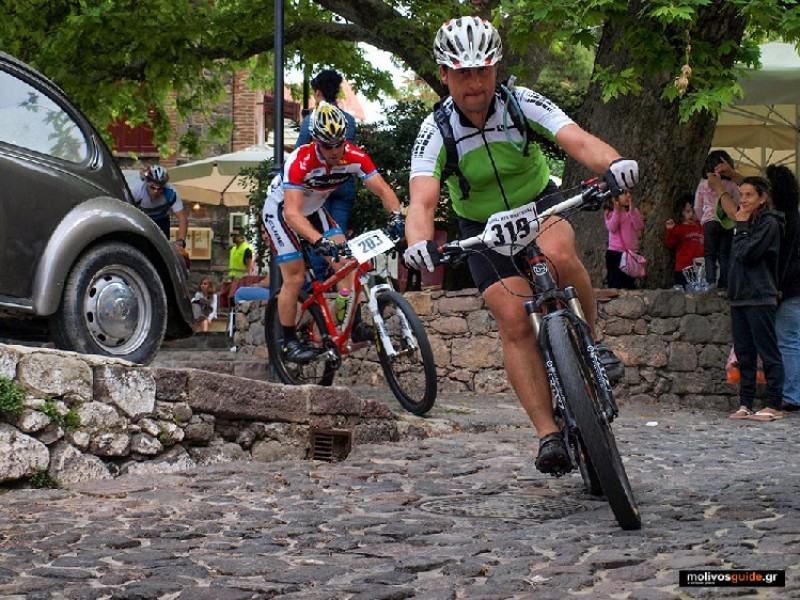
[204,304]
[294,210]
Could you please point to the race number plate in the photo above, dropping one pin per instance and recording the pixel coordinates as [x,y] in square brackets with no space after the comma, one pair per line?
[510,231]
[370,244]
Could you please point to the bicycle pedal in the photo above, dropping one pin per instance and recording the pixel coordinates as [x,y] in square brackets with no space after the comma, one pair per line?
[557,473]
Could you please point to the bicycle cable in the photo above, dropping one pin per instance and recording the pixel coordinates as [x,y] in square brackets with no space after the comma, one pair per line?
[520,271]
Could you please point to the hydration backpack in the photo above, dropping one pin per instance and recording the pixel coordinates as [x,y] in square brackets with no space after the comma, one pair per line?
[441,117]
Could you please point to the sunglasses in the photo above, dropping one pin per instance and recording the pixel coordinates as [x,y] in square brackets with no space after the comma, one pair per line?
[154,187]
[331,146]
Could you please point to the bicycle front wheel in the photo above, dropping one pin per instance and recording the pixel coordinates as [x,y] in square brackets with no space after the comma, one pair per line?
[409,370]
[581,397]
[310,327]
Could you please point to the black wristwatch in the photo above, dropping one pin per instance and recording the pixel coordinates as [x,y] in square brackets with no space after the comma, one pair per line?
[181,243]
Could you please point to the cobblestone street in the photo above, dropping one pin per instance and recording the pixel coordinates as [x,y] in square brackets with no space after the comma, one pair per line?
[461,515]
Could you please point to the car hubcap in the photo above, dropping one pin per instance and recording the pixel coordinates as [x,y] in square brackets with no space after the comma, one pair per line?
[115,310]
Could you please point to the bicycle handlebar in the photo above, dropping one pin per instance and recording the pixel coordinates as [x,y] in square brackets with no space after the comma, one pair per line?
[593,193]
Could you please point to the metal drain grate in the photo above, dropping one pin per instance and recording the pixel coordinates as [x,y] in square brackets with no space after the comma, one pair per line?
[330,445]
[503,506]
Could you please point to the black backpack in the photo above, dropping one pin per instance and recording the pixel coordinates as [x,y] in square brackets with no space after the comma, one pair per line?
[442,119]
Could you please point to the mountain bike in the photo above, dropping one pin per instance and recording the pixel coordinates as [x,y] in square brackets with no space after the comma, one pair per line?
[404,351]
[584,403]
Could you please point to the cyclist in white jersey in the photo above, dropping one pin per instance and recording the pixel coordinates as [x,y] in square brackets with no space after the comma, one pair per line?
[501,176]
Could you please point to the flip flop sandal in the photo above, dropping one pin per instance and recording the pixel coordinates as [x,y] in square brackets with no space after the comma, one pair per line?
[765,417]
[742,413]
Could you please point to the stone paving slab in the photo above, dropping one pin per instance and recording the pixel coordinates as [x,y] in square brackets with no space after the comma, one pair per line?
[461,515]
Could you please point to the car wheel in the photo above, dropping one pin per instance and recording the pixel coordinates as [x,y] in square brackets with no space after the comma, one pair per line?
[113,304]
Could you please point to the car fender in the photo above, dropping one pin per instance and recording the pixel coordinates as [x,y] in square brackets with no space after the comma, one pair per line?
[104,218]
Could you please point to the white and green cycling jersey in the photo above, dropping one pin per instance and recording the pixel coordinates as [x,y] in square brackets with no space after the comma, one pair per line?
[499,175]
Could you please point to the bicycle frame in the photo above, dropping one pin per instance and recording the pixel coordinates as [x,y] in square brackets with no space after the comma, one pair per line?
[338,337]
[364,283]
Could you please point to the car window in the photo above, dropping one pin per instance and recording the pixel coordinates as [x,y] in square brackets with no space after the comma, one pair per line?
[30,119]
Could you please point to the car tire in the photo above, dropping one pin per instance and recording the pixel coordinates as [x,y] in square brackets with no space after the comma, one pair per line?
[113,304]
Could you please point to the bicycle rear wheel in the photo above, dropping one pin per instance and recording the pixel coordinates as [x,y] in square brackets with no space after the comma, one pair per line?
[411,373]
[310,325]
[595,432]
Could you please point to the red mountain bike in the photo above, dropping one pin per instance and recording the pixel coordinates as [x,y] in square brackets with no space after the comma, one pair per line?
[404,351]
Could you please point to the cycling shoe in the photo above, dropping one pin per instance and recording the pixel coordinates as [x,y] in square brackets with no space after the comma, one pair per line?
[613,366]
[293,351]
[553,457]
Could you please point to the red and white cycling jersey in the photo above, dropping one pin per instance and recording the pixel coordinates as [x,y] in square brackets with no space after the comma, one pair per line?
[306,170]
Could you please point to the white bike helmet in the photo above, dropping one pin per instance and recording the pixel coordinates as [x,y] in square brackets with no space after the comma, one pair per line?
[328,124]
[467,42]
[156,174]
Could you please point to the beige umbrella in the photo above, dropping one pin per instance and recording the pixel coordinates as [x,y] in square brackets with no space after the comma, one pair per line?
[216,180]
[762,127]
[216,188]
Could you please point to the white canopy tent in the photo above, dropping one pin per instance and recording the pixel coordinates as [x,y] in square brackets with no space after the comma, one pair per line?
[764,127]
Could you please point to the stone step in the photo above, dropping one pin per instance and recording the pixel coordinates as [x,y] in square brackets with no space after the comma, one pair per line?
[215,360]
[211,340]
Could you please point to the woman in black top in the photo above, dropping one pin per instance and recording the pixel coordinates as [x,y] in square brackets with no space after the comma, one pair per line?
[753,296]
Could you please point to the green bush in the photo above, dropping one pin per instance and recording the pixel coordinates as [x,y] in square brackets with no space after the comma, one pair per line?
[69,421]
[12,397]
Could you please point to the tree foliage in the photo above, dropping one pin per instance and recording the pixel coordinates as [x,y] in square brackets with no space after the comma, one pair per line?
[139,59]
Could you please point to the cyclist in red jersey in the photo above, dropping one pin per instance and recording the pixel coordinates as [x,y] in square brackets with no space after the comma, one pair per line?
[294,209]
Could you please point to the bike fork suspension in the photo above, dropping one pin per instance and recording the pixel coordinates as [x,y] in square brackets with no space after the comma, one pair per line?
[380,326]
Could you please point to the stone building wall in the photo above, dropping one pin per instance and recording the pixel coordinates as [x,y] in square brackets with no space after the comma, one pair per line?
[674,345]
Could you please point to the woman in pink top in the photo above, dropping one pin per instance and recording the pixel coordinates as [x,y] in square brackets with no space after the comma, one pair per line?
[624,223]
[717,229]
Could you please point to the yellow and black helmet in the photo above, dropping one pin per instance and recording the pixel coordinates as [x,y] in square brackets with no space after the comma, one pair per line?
[328,124]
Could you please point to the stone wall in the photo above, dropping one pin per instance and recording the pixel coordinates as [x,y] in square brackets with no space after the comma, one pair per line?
[674,345]
[87,417]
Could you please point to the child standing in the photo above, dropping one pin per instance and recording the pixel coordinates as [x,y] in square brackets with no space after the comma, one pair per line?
[716,217]
[624,222]
[685,238]
[753,296]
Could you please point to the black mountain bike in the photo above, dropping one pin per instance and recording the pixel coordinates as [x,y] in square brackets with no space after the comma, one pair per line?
[584,403]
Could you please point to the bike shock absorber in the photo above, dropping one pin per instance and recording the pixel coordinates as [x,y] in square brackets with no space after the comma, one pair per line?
[534,316]
[574,303]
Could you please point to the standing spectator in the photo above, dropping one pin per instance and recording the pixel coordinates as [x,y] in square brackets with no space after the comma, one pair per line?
[624,223]
[240,260]
[327,85]
[204,304]
[685,238]
[156,197]
[787,318]
[753,296]
[716,215]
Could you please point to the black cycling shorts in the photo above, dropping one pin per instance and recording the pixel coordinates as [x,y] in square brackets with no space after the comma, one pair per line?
[490,267]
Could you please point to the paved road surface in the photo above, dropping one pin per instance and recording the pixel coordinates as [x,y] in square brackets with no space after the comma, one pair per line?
[463,515]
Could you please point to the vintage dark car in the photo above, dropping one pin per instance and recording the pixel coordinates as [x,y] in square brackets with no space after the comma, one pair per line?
[79,263]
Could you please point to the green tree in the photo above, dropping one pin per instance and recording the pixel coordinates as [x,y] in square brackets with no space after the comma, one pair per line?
[136,59]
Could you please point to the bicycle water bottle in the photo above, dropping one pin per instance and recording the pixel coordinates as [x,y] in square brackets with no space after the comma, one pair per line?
[342,300]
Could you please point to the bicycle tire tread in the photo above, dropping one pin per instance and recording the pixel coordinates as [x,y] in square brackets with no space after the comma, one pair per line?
[596,434]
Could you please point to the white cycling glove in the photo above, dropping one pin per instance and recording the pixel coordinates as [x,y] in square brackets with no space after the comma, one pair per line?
[422,255]
[622,173]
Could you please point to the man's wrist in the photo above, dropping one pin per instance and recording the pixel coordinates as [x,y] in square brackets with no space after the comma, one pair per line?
[181,243]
